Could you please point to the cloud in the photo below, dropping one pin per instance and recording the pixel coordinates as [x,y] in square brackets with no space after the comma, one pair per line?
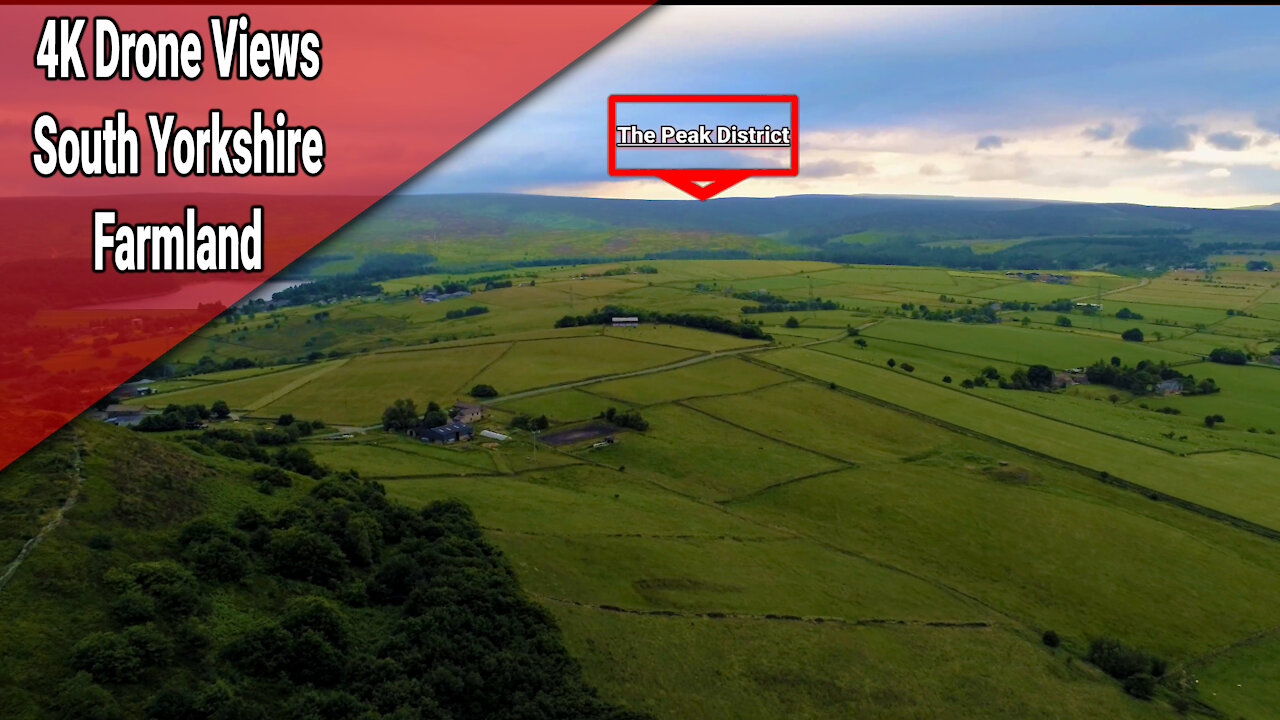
[990,142]
[831,167]
[1270,124]
[1161,136]
[1219,173]
[1228,141]
[1105,131]
[929,170]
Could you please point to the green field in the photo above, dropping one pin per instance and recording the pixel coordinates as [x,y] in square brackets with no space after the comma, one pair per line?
[803,530]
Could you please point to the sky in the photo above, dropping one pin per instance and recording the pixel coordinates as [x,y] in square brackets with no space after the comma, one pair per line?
[1152,105]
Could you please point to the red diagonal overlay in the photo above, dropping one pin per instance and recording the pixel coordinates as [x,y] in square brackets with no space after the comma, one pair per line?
[400,85]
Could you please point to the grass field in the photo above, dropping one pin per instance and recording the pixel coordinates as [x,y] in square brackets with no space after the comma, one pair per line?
[1021,345]
[803,531]
[1250,493]
[714,377]
[539,364]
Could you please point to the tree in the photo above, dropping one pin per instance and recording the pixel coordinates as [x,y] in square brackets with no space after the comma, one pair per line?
[792,322]
[174,588]
[1116,361]
[946,379]
[1228,356]
[217,560]
[285,420]
[107,656]
[483,391]
[220,409]
[1211,420]
[171,703]
[863,343]
[1040,377]
[435,418]
[991,373]
[400,415]
[1063,321]
[892,362]
[304,554]
[908,367]
[1050,639]
[79,698]
[1132,335]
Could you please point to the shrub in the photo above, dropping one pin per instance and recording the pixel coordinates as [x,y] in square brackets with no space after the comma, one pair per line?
[151,645]
[272,475]
[946,379]
[80,699]
[483,391]
[1159,666]
[249,518]
[1051,639]
[1132,335]
[108,656]
[101,541]
[133,607]
[1117,659]
[217,560]
[173,587]
[1141,686]
[792,322]
[171,703]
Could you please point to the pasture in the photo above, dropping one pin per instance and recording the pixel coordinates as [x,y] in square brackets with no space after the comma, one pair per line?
[775,546]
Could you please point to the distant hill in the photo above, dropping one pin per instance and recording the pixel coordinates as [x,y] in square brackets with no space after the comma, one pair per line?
[487,230]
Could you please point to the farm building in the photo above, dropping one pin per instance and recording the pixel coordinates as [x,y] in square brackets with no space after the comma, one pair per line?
[1071,377]
[465,412]
[453,432]
[134,389]
[626,322]
[1169,387]
[432,296]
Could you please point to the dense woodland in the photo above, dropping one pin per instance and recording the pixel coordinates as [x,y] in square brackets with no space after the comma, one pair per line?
[384,612]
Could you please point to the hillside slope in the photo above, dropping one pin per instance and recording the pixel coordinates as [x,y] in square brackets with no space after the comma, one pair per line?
[178,589]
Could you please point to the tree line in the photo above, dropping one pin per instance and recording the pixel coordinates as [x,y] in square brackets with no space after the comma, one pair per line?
[713,323]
